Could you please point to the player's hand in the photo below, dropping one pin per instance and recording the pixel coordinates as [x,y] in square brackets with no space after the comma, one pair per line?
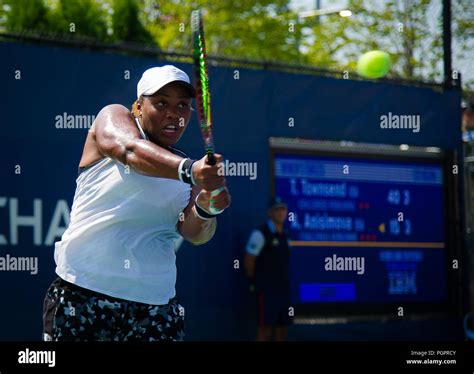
[206,176]
[219,202]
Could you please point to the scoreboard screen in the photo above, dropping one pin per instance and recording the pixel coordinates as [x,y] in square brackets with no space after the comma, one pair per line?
[367,225]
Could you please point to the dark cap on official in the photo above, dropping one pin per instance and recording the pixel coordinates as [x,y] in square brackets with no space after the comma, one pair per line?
[468,104]
[276,202]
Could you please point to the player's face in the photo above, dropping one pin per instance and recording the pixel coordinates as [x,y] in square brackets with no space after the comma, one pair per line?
[278,214]
[166,114]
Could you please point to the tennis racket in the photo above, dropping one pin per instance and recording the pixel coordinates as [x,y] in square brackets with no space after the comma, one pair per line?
[203,95]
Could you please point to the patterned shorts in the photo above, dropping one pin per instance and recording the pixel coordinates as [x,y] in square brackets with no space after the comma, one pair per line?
[73,313]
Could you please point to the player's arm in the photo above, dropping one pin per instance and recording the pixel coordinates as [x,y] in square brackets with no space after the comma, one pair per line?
[117,136]
[194,228]
[254,247]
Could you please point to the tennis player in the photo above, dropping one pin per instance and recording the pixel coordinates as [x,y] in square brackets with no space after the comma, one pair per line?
[136,195]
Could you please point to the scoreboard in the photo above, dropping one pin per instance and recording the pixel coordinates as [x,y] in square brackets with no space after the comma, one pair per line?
[367,223]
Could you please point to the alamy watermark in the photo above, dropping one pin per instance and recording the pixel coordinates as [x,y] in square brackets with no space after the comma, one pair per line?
[336,263]
[74,121]
[12,263]
[238,169]
[396,121]
[28,356]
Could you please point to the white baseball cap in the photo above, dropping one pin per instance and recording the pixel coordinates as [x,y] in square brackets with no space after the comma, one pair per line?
[155,78]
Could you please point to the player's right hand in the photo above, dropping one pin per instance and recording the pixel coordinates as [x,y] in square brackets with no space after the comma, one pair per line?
[206,176]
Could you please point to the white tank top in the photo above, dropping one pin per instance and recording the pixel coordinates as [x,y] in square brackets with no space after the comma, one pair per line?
[121,237]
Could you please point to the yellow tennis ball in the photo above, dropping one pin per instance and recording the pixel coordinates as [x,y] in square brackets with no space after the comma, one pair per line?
[373,64]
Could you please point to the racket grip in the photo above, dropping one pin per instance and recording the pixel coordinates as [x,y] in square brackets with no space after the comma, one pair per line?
[211,160]
[211,205]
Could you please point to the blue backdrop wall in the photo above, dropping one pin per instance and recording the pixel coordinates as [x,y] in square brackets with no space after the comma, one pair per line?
[39,163]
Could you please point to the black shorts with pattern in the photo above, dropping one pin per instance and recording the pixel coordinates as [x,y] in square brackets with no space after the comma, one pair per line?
[73,313]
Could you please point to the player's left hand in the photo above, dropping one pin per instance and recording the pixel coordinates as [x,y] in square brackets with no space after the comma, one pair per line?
[220,202]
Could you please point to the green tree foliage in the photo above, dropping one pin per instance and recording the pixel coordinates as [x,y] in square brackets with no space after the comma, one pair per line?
[126,24]
[82,17]
[463,34]
[328,41]
[397,27]
[19,15]
[63,17]
[409,30]
[249,29]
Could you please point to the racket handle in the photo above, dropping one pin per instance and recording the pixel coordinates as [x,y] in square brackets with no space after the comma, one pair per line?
[211,205]
[211,160]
